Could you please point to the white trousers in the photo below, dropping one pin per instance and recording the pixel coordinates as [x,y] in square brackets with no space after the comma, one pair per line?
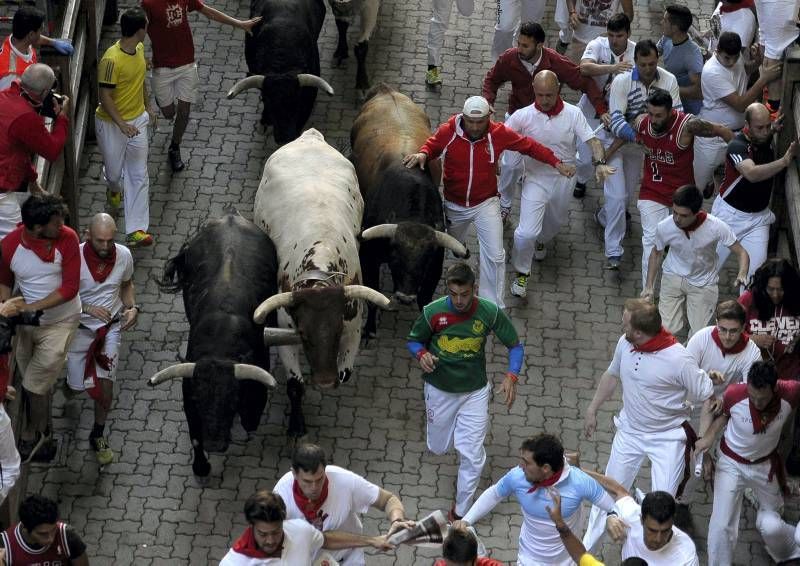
[459,420]
[78,349]
[709,153]
[730,481]
[489,225]
[665,450]
[751,229]
[650,213]
[511,171]
[543,210]
[509,15]
[681,302]
[526,562]
[440,19]
[9,457]
[10,215]
[779,536]
[125,168]
[618,190]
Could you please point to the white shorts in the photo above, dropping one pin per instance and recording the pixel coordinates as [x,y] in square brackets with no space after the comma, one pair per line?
[171,84]
[76,357]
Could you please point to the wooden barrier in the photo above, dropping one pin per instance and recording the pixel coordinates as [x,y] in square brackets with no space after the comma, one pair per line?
[786,203]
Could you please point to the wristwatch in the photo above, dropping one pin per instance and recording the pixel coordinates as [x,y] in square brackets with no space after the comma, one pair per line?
[135,306]
[597,162]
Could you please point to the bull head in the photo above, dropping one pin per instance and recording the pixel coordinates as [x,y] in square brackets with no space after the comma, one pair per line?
[442,239]
[186,370]
[257,82]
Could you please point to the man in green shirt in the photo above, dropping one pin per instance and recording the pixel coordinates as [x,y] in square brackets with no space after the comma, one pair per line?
[449,340]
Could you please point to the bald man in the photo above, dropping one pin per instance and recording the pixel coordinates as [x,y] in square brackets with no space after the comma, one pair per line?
[746,190]
[109,306]
[23,135]
[543,209]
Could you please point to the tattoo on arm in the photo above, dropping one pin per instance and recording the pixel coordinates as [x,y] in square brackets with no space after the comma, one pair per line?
[701,128]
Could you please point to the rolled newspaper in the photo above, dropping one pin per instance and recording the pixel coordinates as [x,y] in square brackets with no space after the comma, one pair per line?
[430,530]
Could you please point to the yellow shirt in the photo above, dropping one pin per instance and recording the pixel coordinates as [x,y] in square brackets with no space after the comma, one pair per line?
[124,73]
[589,560]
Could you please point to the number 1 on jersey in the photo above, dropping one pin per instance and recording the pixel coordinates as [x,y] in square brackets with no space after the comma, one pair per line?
[656,175]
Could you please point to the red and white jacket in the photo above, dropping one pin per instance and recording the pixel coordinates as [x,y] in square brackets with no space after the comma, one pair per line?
[470,167]
[40,269]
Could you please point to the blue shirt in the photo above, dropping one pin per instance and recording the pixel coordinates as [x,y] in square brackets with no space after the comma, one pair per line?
[683,61]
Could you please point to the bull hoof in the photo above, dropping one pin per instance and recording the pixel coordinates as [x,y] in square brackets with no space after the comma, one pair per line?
[201,468]
[345,375]
[297,426]
[339,59]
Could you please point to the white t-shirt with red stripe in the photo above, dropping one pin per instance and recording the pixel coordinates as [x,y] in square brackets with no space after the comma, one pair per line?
[38,278]
[739,435]
[709,356]
[105,294]
[657,387]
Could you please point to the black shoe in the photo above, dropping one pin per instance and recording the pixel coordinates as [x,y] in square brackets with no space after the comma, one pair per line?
[579,191]
[175,161]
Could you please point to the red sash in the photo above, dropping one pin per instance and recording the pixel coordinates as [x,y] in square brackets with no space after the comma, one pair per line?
[94,356]
[691,438]
[776,467]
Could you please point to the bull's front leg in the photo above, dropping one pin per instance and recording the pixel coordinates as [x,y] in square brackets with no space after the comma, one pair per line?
[201,467]
[341,47]
[295,388]
[369,19]
[348,344]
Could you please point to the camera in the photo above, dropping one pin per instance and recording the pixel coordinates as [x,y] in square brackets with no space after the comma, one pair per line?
[47,109]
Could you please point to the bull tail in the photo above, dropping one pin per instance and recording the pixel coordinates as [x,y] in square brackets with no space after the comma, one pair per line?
[172,279]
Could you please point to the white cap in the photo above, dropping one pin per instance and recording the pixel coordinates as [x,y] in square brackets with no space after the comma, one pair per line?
[477,107]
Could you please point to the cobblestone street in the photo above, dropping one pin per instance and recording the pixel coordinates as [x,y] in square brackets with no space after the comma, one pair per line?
[148,508]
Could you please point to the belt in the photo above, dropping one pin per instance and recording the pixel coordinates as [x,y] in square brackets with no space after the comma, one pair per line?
[776,467]
[691,438]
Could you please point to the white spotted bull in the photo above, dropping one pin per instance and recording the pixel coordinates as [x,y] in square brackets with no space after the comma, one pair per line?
[309,204]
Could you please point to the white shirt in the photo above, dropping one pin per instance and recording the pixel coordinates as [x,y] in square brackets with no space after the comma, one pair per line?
[558,132]
[656,386]
[709,356]
[694,257]
[593,18]
[599,51]
[301,542]
[679,551]
[6,81]
[349,495]
[742,22]
[717,82]
[107,293]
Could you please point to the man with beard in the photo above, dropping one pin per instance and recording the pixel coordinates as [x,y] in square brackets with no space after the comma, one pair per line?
[542,467]
[689,288]
[332,498]
[473,144]
[272,539]
[658,377]
[746,190]
[667,136]
[109,306]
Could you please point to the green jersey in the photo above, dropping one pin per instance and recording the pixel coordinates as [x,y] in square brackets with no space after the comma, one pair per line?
[459,341]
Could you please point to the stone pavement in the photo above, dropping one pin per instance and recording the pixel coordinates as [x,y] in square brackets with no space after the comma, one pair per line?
[148,508]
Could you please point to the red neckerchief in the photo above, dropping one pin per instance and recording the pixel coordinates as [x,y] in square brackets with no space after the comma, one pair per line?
[307,507]
[442,320]
[728,8]
[554,111]
[740,345]
[246,545]
[99,267]
[548,482]
[44,248]
[698,221]
[658,342]
[94,356]
[762,418]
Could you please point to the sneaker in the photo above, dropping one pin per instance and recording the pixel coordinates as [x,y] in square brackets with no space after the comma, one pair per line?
[540,252]
[103,453]
[613,263]
[432,77]
[519,286]
[452,516]
[175,161]
[114,200]
[562,47]
[505,215]
[139,239]
[579,191]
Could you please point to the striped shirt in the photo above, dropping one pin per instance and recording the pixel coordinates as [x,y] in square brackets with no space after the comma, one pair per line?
[628,99]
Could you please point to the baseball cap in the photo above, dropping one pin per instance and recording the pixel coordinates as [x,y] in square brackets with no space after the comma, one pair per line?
[477,107]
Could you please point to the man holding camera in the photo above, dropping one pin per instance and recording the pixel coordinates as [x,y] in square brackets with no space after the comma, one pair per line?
[23,134]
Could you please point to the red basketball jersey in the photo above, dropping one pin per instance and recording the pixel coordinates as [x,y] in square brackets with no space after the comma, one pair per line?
[20,553]
[668,165]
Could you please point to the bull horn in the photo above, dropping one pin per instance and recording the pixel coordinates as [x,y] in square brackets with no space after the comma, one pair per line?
[247,371]
[176,371]
[366,294]
[281,337]
[304,79]
[448,242]
[281,300]
[254,81]
[379,231]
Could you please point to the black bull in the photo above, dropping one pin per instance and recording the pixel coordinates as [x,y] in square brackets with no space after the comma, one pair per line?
[283,63]
[224,272]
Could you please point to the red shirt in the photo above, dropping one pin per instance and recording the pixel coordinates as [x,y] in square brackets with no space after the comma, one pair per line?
[668,165]
[169,31]
[481,562]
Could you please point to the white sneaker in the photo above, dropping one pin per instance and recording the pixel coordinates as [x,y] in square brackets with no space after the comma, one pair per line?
[540,252]
[519,285]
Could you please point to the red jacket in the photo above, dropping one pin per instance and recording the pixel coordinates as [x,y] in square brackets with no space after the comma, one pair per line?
[22,134]
[509,68]
[470,168]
